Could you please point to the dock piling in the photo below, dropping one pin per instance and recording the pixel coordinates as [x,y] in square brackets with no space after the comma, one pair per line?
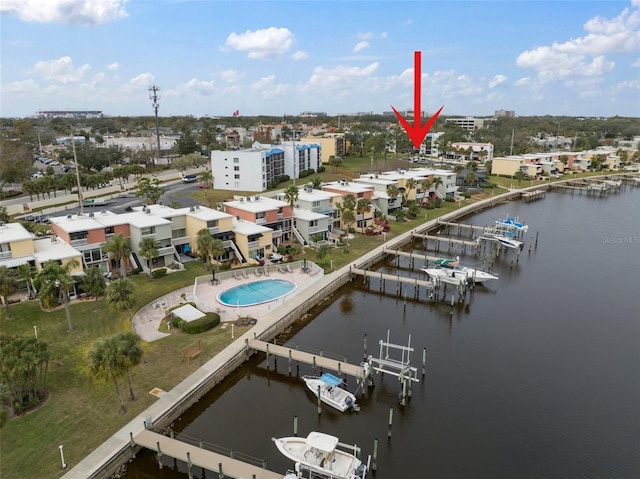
[374,465]
[390,422]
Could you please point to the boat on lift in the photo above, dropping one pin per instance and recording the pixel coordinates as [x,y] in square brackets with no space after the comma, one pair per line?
[323,456]
[505,238]
[511,224]
[452,272]
[331,392]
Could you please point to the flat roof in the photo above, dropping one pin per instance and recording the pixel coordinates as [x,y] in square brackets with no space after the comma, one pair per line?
[250,204]
[48,250]
[314,195]
[247,228]
[10,232]
[307,215]
[88,221]
[348,187]
[139,219]
[188,313]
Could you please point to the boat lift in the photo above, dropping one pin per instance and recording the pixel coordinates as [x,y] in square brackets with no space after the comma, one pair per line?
[400,368]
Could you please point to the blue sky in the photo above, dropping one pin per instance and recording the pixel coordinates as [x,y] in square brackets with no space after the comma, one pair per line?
[210,57]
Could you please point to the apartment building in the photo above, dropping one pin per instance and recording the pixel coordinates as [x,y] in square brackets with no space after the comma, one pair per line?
[272,213]
[358,191]
[88,233]
[314,213]
[331,144]
[251,169]
[254,241]
[480,152]
[468,123]
[381,201]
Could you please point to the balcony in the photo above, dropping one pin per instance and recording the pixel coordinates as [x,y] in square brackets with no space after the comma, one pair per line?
[280,216]
[261,221]
[253,244]
[214,229]
[5,254]
[180,240]
[318,229]
[108,236]
[79,242]
[276,234]
[166,250]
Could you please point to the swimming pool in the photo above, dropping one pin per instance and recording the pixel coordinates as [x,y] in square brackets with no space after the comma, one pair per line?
[256,292]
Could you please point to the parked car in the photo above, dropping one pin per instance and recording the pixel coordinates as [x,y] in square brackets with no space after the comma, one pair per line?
[189,178]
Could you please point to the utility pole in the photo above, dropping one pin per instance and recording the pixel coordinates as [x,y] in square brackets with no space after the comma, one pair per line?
[155,102]
[75,159]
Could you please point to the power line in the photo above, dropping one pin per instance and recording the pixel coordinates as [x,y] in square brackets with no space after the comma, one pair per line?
[155,102]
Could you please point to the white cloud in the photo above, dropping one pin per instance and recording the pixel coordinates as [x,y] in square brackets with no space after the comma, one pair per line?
[365,36]
[300,55]
[61,70]
[523,81]
[194,88]
[266,43]
[230,76]
[384,35]
[267,87]
[83,12]
[497,80]
[636,63]
[20,87]
[113,67]
[328,77]
[585,56]
[361,46]
[140,82]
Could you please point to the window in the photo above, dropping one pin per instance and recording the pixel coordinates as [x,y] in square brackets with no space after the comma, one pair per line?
[148,231]
[237,177]
[109,230]
[236,160]
[315,204]
[212,223]
[236,168]
[78,235]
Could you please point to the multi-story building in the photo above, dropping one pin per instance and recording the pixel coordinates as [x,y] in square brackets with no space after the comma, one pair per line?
[143,224]
[251,169]
[359,191]
[331,144]
[468,123]
[254,241]
[298,156]
[88,234]
[313,213]
[504,114]
[481,152]
[272,213]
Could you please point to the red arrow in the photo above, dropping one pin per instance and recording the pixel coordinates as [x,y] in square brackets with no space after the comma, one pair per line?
[417,132]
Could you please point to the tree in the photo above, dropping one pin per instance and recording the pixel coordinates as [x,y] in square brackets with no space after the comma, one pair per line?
[150,189]
[186,144]
[291,195]
[23,370]
[363,206]
[323,251]
[25,273]
[336,162]
[470,178]
[54,282]
[410,185]
[204,243]
[316,183]
[425,184]
[206,177]
[17,162]
[217,250]
[119,249]
[108,364]
[472,165]
[348,218]
[519,175]
[457,169]
[94,282]
[132,353]
[8,286]
[392,192]
[120,294]
[148,250]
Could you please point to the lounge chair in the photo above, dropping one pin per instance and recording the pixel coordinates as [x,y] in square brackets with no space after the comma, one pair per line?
[244,273]
[265,271]
[289,269]
[256,272]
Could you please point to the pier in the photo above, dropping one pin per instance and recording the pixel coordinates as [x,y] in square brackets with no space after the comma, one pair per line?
[316,360]
[197,456]
[412,256]
[533,195]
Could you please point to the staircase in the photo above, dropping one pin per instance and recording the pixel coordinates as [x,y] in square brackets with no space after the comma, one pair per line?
[232,244]
[299,236]
[134,259]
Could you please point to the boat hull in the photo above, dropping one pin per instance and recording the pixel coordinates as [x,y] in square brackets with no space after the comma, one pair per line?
[335,396]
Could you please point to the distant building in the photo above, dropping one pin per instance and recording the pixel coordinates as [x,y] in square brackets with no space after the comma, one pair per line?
[468,123]
[331,144]
[313,114]
[504,114]
[75,114]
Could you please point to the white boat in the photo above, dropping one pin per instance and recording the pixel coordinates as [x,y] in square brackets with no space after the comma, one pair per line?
[613,183]
[319,454]
[505,238]
[512,224]
[452,272]
[328,386]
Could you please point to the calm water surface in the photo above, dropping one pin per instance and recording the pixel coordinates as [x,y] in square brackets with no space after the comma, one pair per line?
[536,376]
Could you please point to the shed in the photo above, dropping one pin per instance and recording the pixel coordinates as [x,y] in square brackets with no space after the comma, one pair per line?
[187,313]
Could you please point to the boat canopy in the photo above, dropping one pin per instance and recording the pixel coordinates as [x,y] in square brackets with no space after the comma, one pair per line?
[330,380]
[446,262]
[321,441]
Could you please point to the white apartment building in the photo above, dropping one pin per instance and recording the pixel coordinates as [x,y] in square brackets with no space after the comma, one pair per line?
[250,169]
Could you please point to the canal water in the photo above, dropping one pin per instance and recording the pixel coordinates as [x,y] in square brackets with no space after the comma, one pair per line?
[537,375]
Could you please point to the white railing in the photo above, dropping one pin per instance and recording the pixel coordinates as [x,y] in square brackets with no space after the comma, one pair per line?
[214,229]
[253,244]
[261,221]
[5,254]
[180,240]
[166,250]
[317,229]
[79,242]
[276,234]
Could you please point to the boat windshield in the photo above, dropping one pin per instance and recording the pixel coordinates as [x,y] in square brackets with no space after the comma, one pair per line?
[330,380]
[322,442]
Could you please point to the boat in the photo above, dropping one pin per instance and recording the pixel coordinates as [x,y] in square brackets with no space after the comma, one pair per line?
[451,271]
[505,238]
[510,223]
[330,391]
[323,455]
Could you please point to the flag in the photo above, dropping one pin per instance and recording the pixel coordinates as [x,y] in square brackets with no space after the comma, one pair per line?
[236,113]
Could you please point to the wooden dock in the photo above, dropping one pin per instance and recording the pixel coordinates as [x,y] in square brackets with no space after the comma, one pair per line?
[533,195]
[411,256]
[445,239]
[391,277]
[462,226]
[316,360]
[195,456]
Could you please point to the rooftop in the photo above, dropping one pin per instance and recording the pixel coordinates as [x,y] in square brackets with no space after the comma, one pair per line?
[256,204]
[10,232]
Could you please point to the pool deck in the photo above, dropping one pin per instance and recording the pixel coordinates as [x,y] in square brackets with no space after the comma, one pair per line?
[146,321]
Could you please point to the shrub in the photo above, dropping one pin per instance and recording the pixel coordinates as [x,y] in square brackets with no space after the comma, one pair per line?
[466,195]
[321,169]
[135,271]
[448,199]
[437,203]
[305,173]
[159,273]
[200,325]
[225,266]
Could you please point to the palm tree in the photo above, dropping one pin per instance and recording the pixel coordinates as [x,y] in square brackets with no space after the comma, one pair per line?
[457,169]
[348,218]
[425,184]
[120,294]
[217,250]
[410,185]
[363,206]
[94,282]
[392,192]
[470,178]
[25,273]
[55,279]
[108,364]
[291,195]
[204,243]
[148,250]
[132,353]
[519,175]
[437,181]
[206,177]
[316,183]
[8,285]
[119,249]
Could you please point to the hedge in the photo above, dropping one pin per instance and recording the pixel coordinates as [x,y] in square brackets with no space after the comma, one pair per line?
[159,273]
[200,325]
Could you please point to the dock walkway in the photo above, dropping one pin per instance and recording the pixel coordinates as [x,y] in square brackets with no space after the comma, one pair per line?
[342,367]
[199,457]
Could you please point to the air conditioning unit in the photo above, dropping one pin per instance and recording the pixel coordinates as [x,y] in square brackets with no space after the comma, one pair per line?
[91,215]
[256,198]
[68,217]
